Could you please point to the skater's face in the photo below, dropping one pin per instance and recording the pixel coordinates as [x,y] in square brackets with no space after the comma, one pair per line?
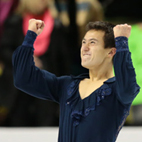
[93,53]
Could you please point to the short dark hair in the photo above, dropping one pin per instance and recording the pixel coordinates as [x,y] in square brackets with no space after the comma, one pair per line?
[107,27]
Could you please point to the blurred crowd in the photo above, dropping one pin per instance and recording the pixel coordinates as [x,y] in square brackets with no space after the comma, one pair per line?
[57,50]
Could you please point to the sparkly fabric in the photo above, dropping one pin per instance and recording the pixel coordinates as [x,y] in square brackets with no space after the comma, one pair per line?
[96,118]
[81,109]
[121,46]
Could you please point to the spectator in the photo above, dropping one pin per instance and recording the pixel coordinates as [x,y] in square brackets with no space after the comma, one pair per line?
[6,6]
[86,10]
[54,56]
[6,101]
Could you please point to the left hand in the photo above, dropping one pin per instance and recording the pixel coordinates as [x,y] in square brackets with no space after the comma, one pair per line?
[122,30]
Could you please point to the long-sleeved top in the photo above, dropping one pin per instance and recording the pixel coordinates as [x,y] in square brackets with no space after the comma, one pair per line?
[96,118]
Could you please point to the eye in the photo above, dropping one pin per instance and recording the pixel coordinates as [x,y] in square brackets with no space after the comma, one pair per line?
[92,42]
[83,42]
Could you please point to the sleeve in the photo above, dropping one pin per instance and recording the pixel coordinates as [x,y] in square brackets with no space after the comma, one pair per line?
[126,85]
[30,79]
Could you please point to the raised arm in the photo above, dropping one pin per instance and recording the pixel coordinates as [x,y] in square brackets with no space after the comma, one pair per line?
[29,78]
[126,85]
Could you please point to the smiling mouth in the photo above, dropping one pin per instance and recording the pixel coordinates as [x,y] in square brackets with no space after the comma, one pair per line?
[86,54]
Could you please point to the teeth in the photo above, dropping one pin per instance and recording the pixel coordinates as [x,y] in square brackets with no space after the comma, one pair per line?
[86,54]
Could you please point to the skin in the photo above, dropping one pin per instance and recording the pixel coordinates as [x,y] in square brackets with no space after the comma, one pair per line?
[36,26]
[97,59]
[93,55]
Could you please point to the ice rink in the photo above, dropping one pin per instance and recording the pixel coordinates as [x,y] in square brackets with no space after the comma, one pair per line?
[50,134]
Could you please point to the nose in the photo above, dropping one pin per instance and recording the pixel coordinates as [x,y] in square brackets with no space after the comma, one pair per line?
[85,47]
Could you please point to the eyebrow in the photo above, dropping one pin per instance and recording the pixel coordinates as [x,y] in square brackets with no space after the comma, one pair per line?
[90,39]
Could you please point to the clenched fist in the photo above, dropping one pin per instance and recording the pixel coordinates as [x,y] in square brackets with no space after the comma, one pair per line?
[36,26]
[122,30]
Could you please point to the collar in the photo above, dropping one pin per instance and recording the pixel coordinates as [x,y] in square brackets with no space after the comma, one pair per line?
[86,75]
[110,80]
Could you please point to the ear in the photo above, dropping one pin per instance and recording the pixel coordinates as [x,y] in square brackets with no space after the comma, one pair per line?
[112,52]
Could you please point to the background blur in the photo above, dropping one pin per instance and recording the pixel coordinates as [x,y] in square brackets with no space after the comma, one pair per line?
[57,50]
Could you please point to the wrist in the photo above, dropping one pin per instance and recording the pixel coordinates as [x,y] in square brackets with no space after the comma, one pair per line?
[29,38]
[121,43]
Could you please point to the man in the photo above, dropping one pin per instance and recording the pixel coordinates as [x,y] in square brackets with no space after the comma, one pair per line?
[94,106]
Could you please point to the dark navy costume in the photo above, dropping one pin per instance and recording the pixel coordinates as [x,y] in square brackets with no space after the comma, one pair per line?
[96,118]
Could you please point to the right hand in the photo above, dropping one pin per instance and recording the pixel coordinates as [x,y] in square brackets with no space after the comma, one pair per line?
[122,30]
[36,26]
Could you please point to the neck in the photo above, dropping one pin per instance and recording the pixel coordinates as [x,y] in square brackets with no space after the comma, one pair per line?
[101,73]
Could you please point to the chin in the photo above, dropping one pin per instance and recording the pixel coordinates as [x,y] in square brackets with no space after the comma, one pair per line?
[85,65]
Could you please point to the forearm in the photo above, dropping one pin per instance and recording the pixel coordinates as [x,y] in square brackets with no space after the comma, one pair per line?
[29,78]
[22,59]
[124,71]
